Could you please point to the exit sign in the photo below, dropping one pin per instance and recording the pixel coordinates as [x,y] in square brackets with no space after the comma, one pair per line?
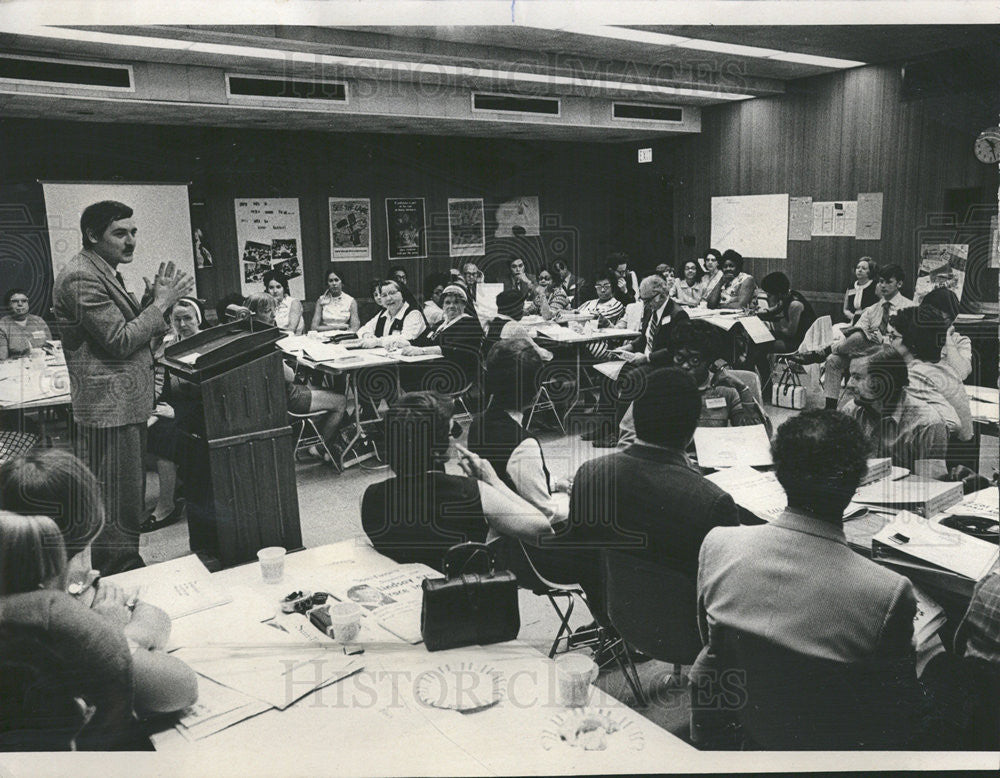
[645,155]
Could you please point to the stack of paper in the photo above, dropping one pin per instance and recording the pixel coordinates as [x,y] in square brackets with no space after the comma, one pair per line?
[929,617]
[913,541]
[760,493]
[985,503]
[877,470]
[926,497]
[731,446]
[218,707]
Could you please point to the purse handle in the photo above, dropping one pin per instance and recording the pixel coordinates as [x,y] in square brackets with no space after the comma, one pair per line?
[475,548]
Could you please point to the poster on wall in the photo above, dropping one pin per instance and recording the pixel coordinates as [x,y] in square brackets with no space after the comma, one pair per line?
[269,237]
[350,229]
[941,265]
[199,238]
[519,216]
[869,225]
[800,218]
[754,225]
[835,219]
[466,227]
[994,243]
[407,228]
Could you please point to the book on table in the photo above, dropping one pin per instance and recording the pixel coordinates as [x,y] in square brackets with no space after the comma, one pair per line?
[914,541]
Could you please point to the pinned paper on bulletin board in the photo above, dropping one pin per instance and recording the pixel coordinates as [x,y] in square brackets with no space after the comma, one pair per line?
[269,237]
[994,243]
[800,218]
[835,219]
[869,223]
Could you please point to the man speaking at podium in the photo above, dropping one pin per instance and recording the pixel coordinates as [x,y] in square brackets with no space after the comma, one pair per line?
[108,339]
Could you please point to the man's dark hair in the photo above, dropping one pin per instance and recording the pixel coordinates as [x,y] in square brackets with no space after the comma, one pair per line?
[698,336]
[416,432]
[605,274]
[393,269]
[667,411]
[888,374]
[13,291]
[732,256]
[617,258]
[923,329]
[512,368]
[776,284]
[944,300]
[892,273]
[434,280]
[820,458]
[96,218]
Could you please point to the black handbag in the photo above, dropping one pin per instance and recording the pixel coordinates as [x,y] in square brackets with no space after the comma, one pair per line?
[466,609]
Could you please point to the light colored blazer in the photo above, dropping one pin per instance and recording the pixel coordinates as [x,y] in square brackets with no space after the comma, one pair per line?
[108,340]
[796,583]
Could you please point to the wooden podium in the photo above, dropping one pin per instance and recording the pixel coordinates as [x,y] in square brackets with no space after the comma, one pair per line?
[237,376]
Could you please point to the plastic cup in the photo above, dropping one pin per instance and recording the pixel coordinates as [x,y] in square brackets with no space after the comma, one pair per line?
[345,621]
[272,564]
[575,673]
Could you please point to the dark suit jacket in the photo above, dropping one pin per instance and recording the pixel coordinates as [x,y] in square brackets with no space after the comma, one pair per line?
[650,502]
[661,354]
[108,341]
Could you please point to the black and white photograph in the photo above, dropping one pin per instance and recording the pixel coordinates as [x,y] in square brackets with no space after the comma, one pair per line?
[437,388]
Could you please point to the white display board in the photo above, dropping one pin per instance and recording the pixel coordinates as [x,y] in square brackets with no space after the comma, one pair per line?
[162,216]
[754,225]
[269,237]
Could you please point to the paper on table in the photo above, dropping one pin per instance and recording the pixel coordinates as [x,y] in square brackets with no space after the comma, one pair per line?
[393,597]
[983,411]
[985,503]
[609,369]
[217,708]
[731,446]
[273,666]
[323,352]
[180,587]
[910,535]
[757,330]
[984,394]
[760,493]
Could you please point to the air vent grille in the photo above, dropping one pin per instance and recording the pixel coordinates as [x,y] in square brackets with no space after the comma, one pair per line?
[651,113]
[545,106]
[287,88]
[65,73]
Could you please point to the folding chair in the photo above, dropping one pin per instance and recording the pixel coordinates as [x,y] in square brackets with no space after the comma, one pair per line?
[309,435]
[543,402]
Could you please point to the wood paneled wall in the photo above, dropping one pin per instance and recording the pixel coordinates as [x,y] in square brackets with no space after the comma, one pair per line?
[586,198]
[831,137]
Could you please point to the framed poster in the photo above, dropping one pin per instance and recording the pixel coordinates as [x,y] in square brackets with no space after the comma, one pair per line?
[406,227]
[268,236]
[350,229]
[466,227]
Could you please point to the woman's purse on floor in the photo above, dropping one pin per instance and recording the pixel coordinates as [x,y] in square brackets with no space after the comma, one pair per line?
[787,390]
[466,609]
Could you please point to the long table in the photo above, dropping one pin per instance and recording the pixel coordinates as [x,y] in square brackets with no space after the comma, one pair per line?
[378,721]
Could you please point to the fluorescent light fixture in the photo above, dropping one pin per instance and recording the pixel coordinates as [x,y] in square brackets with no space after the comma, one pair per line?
[698,44]
[371,68]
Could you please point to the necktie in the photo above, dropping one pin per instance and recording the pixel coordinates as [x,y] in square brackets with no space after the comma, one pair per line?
[654,327]
[883,326]
[121,280]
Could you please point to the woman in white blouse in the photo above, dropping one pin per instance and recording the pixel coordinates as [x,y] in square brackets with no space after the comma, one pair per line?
[862,294]
[713,273]
[335,309]
[288,313]
[397,324]
[689,289]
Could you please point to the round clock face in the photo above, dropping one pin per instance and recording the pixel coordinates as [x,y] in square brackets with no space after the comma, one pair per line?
[987,146]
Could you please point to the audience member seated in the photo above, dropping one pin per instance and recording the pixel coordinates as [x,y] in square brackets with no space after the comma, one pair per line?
[117,623]
[517,277]
[713,273]
[963,684]
[789,312]
[898,425]
[957,351]
[870,332]
[336,310]
[606,307]
[726,401]
[689,289]
[397,273]
[507,323]
[498,435]
[434,285]
[187,317]
[301,398]
[626,281]
[736,288]
[918,334]
[547,298]
[457,338]
[288,313]
[795,582]
[398,323]
[421,511]
[472,277]
[20,331]
[576,288]
[647,500]
[863,294]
